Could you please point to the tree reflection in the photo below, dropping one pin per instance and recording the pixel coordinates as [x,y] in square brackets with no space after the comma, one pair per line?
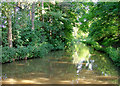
[86,58]
[81,57]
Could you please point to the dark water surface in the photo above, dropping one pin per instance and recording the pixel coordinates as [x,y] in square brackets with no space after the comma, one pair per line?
[79,65]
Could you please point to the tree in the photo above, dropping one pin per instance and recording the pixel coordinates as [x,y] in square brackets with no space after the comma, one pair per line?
[43,11]
[10,32]
[7,9]
[33,14]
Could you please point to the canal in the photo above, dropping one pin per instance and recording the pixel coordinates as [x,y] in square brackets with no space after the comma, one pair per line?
[79,65]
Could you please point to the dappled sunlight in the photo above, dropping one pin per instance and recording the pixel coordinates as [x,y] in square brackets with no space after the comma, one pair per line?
[9,81]
[20,64]
[65,81]
[27,81]
[17,81]
[32,73]
[80,55]
[75,30]
[52,81]
[46,79]
[84,77]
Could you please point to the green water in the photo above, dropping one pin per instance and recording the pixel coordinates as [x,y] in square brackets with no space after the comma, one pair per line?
[78,65]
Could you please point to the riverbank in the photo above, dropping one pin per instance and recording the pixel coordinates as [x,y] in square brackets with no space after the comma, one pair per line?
[23,52]
[113,53]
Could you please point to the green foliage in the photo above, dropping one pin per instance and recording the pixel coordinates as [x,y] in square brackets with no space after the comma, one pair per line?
[101,22]
[52,34]
[93,43]
[114,54]
[57,27]
[21,52]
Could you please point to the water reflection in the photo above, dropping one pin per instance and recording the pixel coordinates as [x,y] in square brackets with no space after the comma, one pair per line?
[80,65]
[81,57]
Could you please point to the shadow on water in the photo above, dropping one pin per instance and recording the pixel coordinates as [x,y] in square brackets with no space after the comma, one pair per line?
[79,65]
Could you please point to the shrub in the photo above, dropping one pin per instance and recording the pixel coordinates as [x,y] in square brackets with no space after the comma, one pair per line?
[8,54]
[21,52]
[114,54]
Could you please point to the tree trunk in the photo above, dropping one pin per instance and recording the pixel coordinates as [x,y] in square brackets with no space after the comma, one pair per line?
[33,14]
[15,14]
[43,11]
[0,38]
[38,9]
[10,32]
[50,20]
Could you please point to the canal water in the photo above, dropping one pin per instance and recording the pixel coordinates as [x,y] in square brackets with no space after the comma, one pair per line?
[79,65]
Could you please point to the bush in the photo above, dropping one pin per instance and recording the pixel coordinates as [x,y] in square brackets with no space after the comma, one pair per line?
[8,54]
[114,54]
[21,52]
